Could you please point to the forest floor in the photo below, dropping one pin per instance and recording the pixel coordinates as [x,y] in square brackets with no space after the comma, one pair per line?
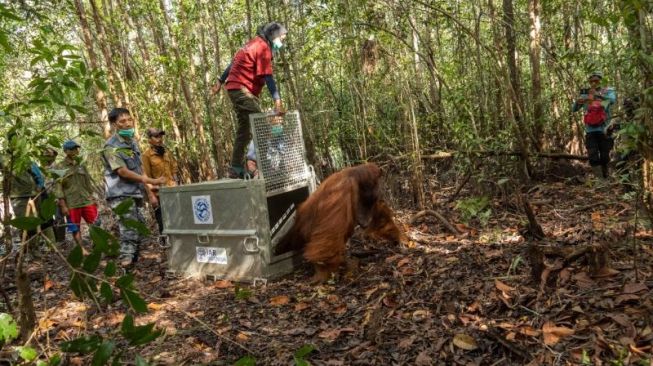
[442,299]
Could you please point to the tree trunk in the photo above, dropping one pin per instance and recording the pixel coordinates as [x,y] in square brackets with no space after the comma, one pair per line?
[534,10]
[100,97]
[206,172]
[515,111]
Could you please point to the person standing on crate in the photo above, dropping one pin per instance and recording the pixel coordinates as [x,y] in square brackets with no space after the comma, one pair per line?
[244,78]
[124,179]
[158,162]
[74,191]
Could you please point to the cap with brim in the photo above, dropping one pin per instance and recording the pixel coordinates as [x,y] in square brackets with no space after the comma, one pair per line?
[151,132]
[70,144]
[598,74]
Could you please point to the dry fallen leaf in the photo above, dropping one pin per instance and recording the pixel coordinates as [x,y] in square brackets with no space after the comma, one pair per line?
[423,359]
[529,331]
[223,284]
[407,342]
[279,300]
[48,284]
[154,306]
[465,342]
[633,288]
[553,334]
[302,306]
[242,337]
[420,315]
[503,287]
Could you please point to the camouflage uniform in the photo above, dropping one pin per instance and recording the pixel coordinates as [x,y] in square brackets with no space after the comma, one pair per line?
[26,186]
[122,153]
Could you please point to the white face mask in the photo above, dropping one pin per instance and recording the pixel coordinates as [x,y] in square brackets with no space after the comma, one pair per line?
[277,44]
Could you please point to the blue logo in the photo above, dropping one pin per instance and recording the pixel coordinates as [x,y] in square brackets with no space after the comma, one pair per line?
[202,209]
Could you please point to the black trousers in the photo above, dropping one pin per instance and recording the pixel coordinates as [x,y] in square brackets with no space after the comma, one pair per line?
[159,219]
[598,146]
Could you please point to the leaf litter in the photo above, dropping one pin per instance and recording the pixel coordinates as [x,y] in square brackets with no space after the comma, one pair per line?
[442,299]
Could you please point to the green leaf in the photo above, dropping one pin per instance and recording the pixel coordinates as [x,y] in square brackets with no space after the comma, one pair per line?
[8,328]
[55,360]
[246,361]
[304,350]
[48,208]
[4,42]
[100,238]
[27,353]
[106,292]
[77,285]
[125,281]
[110,269]
[79,108]
[103,353]
[83,345]
[136,225]
[124,207]
[134,300]
[26,223]
[75,257]
[140,361]
[138,335]
[102,85]
[92,261]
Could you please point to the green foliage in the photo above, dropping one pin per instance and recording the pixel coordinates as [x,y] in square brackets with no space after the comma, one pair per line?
[138,335]
[301,353]
[8,328]
[246,361]
[242,293]
[475,208]
[27,353]
[26,223]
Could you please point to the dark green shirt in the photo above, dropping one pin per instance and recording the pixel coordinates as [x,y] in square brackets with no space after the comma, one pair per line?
[76,185]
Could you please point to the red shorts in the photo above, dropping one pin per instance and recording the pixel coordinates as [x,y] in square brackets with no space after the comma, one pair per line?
[75,215]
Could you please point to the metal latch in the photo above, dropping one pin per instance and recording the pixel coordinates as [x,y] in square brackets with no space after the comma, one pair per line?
[202,238]
[251,244]
[258,280]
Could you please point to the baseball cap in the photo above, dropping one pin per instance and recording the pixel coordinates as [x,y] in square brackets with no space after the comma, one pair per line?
[70,144]
[596,73]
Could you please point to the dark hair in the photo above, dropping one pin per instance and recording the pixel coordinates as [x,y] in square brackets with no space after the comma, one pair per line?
[271,31]
[117,112]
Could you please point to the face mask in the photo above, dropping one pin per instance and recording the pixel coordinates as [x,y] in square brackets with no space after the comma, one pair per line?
[129,133]
[159,150]
[277,44]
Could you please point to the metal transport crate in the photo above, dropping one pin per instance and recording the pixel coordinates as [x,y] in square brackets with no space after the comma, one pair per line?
[228,228]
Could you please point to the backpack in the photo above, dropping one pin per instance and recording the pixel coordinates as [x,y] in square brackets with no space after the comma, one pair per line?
[595,115]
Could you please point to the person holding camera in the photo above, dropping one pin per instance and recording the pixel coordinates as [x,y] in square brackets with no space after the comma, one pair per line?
[596,102]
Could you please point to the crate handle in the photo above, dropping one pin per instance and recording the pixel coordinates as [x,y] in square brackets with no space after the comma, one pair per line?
[203,239]
[251,249]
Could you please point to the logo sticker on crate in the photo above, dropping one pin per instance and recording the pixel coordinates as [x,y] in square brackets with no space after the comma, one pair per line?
[202,211]
[211,255]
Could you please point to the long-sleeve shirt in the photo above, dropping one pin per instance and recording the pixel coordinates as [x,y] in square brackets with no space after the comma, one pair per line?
[76,185]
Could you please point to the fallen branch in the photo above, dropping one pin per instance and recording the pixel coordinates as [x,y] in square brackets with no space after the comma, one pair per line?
[437,215]
[460,186]
[510,346]
[533,226]
[442,155]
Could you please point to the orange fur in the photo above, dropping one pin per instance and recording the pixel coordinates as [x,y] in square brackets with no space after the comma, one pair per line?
[383,226]
[327,219]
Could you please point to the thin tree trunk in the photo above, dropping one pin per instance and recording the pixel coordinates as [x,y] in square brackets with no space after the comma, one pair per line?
[515,110]
[204,158]
[104,48]
[534,10]
[100,97]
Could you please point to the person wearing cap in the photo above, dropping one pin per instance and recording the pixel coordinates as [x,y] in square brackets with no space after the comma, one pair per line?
[596,103]
[250,69]
[124,180]
[74,191]
[28,190]
[158,162]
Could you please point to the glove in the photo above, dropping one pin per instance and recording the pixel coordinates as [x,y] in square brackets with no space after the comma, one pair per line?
[277,130]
